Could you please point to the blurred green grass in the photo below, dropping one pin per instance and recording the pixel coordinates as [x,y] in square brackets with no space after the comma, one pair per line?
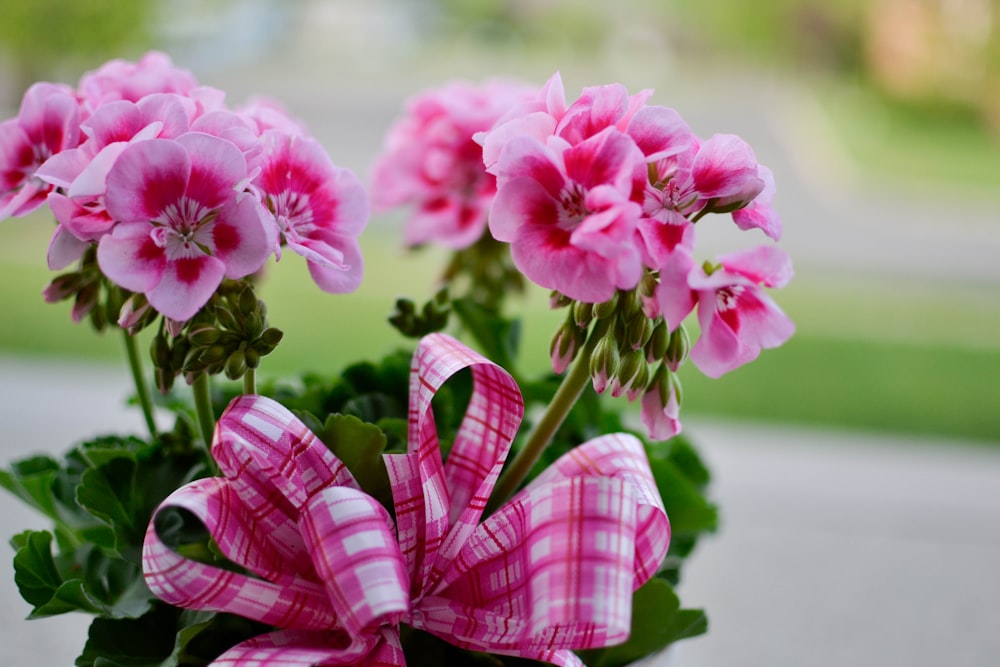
[899,358]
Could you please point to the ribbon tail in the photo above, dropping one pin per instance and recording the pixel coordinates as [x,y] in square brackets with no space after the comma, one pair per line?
[301,648]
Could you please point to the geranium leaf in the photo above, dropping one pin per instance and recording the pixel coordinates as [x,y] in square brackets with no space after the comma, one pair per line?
[359,445]
[657,622]
[85,580]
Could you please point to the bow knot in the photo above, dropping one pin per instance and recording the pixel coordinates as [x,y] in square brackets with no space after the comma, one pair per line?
[552,570]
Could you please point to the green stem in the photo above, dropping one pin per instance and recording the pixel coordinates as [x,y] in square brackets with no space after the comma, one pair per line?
[565,398]
[250,381]
[203,407]
[139,378]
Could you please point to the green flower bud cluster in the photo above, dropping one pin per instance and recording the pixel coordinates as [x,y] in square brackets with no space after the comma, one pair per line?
[416,323]
[634,354]
[229,335]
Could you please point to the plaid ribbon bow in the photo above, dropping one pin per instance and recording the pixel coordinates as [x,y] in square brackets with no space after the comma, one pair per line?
[552,570]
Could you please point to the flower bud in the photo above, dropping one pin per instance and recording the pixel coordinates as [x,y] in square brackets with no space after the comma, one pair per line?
[558,300]
[248,302]
[271,337]
[638,331]
[227,319]
[606,309]
[604,363]
[86,299]
[656,346]
[252,357]
[632,372]
[135,313]
[62,287]
[236,365]
[678,349]
[563,347]
[159,351]
[582,313]
[204,336]
[629,304]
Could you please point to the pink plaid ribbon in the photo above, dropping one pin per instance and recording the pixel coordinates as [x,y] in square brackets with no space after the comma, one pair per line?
[550,571]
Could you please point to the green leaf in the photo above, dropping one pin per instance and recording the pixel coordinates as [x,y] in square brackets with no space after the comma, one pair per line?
[35,571]
[689,511]
[85,580]
[359,445]
[498,337]
[31,480]
[657,622]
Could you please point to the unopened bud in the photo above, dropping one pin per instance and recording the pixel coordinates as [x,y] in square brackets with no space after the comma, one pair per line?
[159,351]
[604,363]
[582,313]
[606,309]
[656,346]
[271,337]
[248,302]
[629,304]
[86,299]
[204,336]
[227,318]
[678,349]
[638,331]
[62,287]
[252,357]
[236,365]
[632,371]
[558,300]
[135,313]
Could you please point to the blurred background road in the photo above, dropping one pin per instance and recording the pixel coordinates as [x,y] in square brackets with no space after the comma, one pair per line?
[858,467]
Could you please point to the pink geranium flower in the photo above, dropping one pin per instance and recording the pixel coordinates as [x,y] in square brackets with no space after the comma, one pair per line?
[570,212]
[184,222]
[737,318]
[432,162]
[47,123]
[124,80]
[320,208]
[80,174]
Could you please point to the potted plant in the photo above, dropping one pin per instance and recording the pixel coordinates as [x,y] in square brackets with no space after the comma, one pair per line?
[436,504]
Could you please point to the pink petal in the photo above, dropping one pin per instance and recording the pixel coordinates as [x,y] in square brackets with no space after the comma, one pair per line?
[186,286]
[147,177]
[244,236]
[659,132]
[725,168]
[64,249]
[343,279]
[217,166]
[521,201]
[92,181]
[129,257]
[766,264]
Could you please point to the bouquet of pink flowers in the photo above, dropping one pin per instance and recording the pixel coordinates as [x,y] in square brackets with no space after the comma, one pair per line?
[373,516]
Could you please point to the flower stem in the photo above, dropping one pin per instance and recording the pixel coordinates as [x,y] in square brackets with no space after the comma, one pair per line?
[139,378]
[555,414]
[250,381]
[203,407]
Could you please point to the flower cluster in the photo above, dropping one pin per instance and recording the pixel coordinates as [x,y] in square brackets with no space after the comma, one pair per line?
[174,189]
[432,162]
[599,200]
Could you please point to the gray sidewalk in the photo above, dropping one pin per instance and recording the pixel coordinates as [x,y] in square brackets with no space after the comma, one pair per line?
[836,548]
